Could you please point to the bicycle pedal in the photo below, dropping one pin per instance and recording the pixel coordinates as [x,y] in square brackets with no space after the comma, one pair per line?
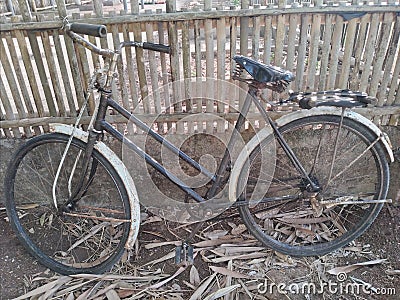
[184,254]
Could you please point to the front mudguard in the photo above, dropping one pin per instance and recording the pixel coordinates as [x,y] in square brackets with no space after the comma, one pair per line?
[121,170]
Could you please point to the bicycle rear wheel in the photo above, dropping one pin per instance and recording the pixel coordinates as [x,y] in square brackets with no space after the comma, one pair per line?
[349,164]
[88,237]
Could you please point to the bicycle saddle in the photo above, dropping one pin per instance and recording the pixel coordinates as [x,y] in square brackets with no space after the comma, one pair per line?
[261,72]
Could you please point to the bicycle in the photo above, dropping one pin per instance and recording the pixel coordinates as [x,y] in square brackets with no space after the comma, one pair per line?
[74,206]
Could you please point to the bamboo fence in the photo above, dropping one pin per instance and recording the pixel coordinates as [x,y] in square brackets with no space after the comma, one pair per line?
[328,45]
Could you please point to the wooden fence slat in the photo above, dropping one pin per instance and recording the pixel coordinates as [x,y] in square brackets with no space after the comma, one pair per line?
[95,57]
[380,54]
[333,64]
[267,49]
[313,52]
[120,69]
[76,75]
[256,38]
[232,51]
[305,20]
[387,75]
[267,40]
[175,72]
[197,47]
[7,107]
[153,70]
[53,73]
[394,86]
[141,70]
[209,39]
[98,7]
[359,48]
[64,73]
[42,73]
[369,52]
[122,95]
[186,65]
[244,44]
[291,42]
[130,69]
[14,88]
[27,17]
[72,58]
[21,82]
[165,77]
[325,52]
[279,40]
[221,54]
[348,51]
[135,7]
[33,84]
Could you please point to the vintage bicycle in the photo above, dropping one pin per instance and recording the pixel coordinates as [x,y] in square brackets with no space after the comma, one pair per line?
[73,204]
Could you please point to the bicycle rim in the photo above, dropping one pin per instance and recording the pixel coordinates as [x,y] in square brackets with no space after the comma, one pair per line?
[90,237]
[340,159]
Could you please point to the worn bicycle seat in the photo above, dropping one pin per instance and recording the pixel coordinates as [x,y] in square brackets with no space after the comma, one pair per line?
[261,72]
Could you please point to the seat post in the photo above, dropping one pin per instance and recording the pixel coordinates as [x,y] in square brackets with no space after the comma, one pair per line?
[243,111]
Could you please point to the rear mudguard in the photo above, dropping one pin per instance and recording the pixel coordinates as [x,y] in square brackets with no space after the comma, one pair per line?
[263,133]
[122,172]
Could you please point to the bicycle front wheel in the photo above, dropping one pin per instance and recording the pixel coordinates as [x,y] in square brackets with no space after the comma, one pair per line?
[86,237]
[349,164]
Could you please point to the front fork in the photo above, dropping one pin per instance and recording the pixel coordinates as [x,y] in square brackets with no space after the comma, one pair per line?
[84,180]
[95,134]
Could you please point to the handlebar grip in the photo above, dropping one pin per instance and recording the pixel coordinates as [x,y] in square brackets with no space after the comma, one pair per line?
[89,29]
[157,47]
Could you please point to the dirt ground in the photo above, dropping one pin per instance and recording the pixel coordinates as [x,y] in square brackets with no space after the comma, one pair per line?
[263,274]
[20,273]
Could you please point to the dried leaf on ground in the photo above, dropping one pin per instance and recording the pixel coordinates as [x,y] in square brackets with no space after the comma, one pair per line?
[216,234]
[227,272]
[194,276]
[160,284]
[44,288]
[392,272]
[347,269]
[222,292]
[202,288]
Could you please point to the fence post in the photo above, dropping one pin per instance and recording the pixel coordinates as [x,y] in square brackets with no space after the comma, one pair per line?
[170,6]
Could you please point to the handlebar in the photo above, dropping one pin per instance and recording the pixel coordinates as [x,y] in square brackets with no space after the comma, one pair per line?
[156,47]
[72,29]
[89,29]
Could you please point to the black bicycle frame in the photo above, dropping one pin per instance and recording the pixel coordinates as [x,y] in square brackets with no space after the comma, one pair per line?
[101,125]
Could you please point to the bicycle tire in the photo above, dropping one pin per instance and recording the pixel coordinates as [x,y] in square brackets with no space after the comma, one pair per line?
[294,226]
[90,238]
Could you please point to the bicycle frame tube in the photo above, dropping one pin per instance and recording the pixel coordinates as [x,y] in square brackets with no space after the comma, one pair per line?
[286,148]
[101,124]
